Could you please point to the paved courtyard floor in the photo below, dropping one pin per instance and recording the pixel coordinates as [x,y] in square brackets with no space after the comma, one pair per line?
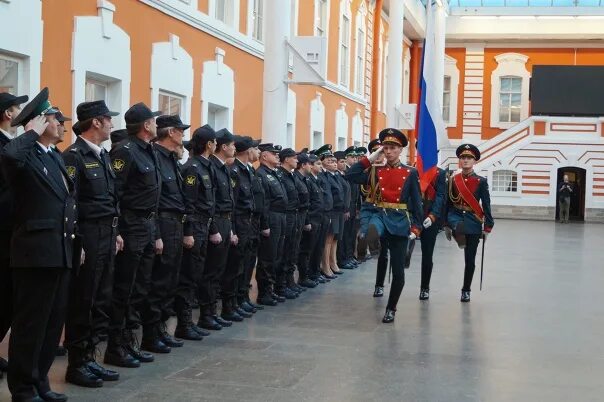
[535,333]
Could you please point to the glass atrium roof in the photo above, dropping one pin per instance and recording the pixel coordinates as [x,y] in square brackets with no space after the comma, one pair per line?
[526,3]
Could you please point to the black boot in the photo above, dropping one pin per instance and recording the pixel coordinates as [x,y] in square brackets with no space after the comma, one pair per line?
[424,294]
[78,372]
[152,341]
[98,370]
[379,291]
[133,347]
[254,305]
[228,311]
[240,310]
[168,339]
[465,296]
[388,316]
[266,300]
[184,327]
[207,321]
[117,354]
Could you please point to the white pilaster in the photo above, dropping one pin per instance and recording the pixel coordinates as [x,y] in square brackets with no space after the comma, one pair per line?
[473,94]
[394,89]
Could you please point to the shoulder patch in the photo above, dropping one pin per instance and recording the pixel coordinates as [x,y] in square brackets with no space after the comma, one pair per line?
[118,165]
[71,171]
[191,179]
[73,150]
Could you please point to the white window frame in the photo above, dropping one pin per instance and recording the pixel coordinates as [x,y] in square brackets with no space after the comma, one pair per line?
[232,7]
[452,71]
[294,18]
[359,59]
[509,64]
[316,27]
[509,104]
[317,121]
[172,95]
[20,84]
[357,128]
[98,82]
[342,127]
[495,189]
[252,20]
[344,43]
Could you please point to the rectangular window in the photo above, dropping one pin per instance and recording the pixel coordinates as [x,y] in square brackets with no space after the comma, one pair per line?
[344,51]
[321,23]
[510,98]
[96,90]
[317,139]
[258,20]
[447,98]
[360,72]
[341,143]
[223,11]
[505,181]
[171,104]
[9,75]
[218,116]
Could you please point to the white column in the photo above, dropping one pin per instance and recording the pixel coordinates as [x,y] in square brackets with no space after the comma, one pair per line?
[440,19]
[394,89]
[277,29]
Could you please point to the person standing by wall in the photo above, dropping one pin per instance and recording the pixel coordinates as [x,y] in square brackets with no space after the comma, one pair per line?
[565,189]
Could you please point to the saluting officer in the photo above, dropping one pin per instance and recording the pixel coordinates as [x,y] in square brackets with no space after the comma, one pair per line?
[9,109]
[137,186]
[42,249]
[89,166]
[394,189]
[270,251]
[170,221]
[199,203]
[285,286]
[468,211]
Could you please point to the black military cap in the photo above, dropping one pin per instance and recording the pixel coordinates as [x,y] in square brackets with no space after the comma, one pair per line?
[90,110]
[324,151]
[7,100]
[340,155]
[187,145]
[61,117]
[351,151]
[373,145]
[224,136]
[392,136]
[203,134]
[312,158]
[269,147]
[468,149]
[38,106]
[118,135]
[286,153]
[303,151]
[165,121]
[303,158]
[139,113]
[256,143]
[242,144]
[360,151]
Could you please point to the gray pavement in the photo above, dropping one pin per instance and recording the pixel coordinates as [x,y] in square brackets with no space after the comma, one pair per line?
[534,333]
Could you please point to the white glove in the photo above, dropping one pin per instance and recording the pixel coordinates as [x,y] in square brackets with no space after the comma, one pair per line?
[412,236]
[484,235]
[427,223]
[375,154]
[448,233]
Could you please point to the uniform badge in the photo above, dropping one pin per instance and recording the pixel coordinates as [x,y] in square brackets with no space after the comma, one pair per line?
[191,180]
[233,184]
[118,165]
[92,165]
[71,171]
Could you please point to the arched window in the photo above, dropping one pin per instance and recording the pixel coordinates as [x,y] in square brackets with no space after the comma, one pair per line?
[344,55]
[509,90]
[360,49]
[505,181]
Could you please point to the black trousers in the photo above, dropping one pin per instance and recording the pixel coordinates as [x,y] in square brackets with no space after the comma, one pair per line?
[295,251]
[288,249]
[382,263]
[215,266]
[307,245]
[270,253]
[193,264]
[472,241]
[91,286]
[6,284]
[39,307]
[166,266]
[316,254]
[397,247]
[428,240]
[251,257]
[346,245]
[234,274]
[133,267]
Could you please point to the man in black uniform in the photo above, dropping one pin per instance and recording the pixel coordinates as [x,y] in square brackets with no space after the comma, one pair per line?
[42,249]
[342,251]
[218,252]
[241,177]
[303,222]
[309,193]
[351,226]
[89,166]
[171,217]
[199,203]
[271,247]
[285,285]
[9,109]
[138,188]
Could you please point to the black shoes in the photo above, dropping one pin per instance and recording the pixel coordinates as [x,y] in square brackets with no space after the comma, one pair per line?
[117,355]
[286,294]
[154,345]
[230,315]
[83,377]
[267,300]
[102,372]
[277,298]
[51,396]
[424,294]
[243,313]
[201,331]
[379,291]
[389,316]
[222,321]
[133,347]
[307,283]
[188,332]
[254,305]
[208,322]
[465,296]
[247,307]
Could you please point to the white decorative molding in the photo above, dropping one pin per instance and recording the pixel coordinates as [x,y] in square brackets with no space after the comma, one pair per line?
[509,64]
[317,121]
[291,119]
[452,71]
[341,127]
[218,88]
[105,11]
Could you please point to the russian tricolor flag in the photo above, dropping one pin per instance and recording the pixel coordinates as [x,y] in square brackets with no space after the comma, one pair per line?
[429,110]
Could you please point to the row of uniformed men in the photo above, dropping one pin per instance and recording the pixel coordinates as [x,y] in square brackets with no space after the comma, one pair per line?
[107,242]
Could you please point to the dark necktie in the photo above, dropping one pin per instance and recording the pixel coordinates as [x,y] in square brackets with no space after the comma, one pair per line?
[54,168]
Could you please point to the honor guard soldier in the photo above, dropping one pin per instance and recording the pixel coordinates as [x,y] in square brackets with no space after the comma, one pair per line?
[91,288]
[9,109]
[433,200]
[270,250]
[170,220]
[138,185]
[342,253]
[200,202]
[43,249]
[468,211]
[394,189]
[286,286]
[218,251]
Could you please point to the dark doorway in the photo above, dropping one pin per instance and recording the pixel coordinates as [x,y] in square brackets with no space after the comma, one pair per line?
[576,176]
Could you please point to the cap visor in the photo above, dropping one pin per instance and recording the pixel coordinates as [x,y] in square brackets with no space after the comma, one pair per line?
[183,126]
[155,114]
[20,100]
[52,110]
[112,114]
